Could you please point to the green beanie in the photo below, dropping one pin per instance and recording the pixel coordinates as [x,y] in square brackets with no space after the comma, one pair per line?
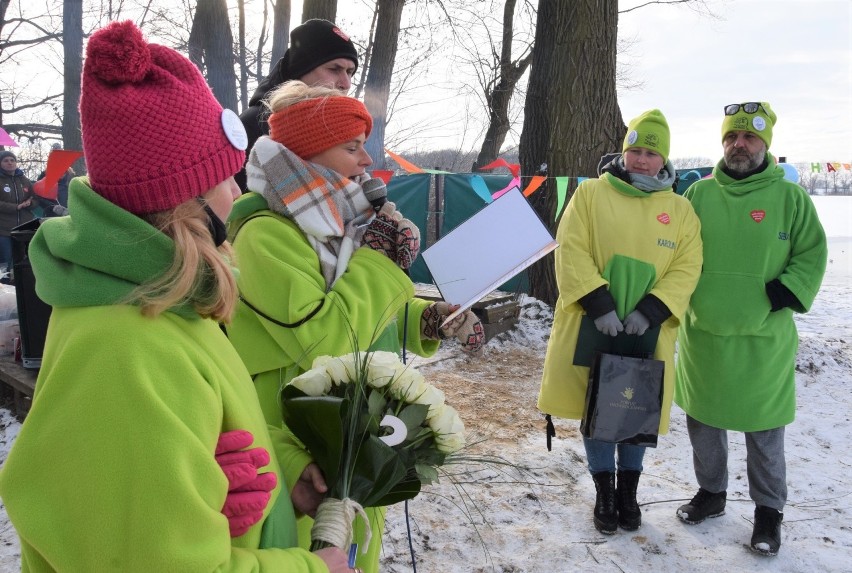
[649,130]
[759,123]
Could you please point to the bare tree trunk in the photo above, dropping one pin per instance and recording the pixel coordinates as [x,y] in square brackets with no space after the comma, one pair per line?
[325,9]
[377,88]
[211,46]
[280,30]
[499,96]
[72,45]
[571,114]
[241,7]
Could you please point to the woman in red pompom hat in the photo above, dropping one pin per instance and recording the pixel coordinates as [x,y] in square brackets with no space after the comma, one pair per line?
[141,401]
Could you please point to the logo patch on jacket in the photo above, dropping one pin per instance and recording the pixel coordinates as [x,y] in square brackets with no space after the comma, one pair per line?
[664,218]
[758,215]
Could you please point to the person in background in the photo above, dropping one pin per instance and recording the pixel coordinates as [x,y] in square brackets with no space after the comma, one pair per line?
[320,53]
[122,462]
[764,258]
[16,197]
[318,265]
[629,257]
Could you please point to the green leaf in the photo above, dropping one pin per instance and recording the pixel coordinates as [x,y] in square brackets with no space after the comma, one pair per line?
[414,415]
[318,423]
[377,404]
[428,474]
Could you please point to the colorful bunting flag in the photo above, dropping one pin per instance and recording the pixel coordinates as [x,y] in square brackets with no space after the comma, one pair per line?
[515,182]
[480,188]
[816,168]
[561,193]
[410,167]
[535,183]
[6,139]
[514,168]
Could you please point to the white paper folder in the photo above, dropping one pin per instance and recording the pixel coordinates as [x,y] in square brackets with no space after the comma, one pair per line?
[499,241]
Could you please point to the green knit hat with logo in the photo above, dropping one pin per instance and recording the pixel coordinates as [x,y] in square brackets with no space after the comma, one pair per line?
[760,122]
[649,130]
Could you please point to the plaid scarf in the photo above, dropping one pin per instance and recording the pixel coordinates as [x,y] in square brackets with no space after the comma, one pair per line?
[326,206]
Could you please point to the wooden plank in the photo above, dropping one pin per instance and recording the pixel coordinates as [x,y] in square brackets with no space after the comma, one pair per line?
[431,292]
[500,311]
[20,383]
[493,329]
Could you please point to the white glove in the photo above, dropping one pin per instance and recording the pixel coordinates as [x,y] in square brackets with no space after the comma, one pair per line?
[609,324]
[636,323]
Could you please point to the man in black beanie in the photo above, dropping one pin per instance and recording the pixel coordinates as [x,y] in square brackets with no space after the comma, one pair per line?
[320,53]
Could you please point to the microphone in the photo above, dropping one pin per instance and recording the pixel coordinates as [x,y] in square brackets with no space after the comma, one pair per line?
[376,192]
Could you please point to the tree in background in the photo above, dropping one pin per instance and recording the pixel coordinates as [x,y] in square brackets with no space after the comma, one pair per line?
[325,9]
[498,78]
[211,49]
[377,86]
[571,113]
[72,48]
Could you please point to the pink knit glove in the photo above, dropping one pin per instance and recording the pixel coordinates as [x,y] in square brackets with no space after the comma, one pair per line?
[381,233]
[248,491]
[466,327]
[407,244]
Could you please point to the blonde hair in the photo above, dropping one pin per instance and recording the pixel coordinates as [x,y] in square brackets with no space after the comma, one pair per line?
[295,91]
[200,273]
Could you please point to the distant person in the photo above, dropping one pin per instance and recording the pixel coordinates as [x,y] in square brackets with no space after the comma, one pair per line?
[16,198]
[629,257]
[320,53]
[119,464]
[764,258]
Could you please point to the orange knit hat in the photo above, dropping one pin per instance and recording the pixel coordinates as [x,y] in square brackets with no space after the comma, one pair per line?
[310,127]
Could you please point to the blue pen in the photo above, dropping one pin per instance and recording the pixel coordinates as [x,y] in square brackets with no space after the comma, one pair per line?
[353,551]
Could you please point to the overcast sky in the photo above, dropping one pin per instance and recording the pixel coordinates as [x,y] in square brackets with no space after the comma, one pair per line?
[794,54]
[797,55]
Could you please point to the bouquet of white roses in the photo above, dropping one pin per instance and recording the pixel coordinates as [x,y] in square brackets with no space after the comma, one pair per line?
[377,430]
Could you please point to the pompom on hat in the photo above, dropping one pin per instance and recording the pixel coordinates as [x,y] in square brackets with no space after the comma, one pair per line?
[309,127]
[759,123]
[649,130]
[314,43]
[154,135]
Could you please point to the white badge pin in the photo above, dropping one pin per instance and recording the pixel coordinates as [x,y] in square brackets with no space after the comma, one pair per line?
[632,137]
[759,123]
[234,129]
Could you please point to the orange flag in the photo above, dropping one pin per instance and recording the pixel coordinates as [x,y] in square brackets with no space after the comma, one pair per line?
[410,167]
[535,183]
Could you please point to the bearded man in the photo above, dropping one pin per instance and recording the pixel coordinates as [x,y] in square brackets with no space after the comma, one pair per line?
[764,258]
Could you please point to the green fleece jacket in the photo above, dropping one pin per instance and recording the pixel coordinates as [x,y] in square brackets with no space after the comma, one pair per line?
[280,277]
[114,468]
[737,358]
[635,243]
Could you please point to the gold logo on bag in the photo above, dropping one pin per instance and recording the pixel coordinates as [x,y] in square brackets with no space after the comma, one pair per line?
[628,393]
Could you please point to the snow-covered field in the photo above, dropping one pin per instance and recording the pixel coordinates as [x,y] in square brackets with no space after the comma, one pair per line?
[536,516]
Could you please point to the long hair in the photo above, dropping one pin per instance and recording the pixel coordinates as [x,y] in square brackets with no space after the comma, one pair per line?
[200,273]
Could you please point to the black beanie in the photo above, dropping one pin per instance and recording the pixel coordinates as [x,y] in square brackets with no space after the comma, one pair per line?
[314,43]
[5,154]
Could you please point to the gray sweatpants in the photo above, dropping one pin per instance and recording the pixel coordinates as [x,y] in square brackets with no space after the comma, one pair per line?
[767,468]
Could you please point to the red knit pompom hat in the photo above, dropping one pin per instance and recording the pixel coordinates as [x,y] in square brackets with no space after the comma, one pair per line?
[154,135]
[311,126]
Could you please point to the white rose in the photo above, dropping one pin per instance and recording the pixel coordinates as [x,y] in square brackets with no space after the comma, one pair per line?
[314,382]
[408,385]
[431,397]
[448,428]
[341,369]
[383,367]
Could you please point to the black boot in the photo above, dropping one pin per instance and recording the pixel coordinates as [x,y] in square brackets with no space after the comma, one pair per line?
[766,537]
[606,514]
[629,514]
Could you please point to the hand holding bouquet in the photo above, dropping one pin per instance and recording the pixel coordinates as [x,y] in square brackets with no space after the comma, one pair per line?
[377,430]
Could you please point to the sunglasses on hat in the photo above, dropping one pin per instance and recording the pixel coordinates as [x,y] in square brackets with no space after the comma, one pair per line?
[749,107]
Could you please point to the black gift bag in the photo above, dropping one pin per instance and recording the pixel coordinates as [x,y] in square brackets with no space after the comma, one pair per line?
[624,400]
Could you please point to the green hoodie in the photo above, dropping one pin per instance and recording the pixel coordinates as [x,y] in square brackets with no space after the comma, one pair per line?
[736,363]
[114,467]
